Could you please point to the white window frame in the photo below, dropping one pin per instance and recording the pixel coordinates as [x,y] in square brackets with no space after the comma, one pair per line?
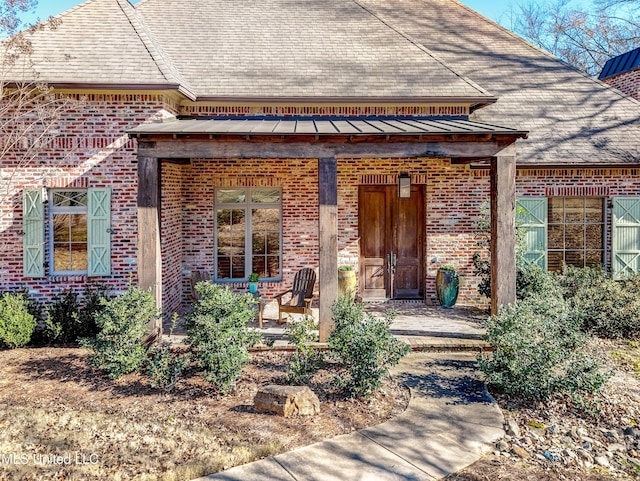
[53,210]
[248,206]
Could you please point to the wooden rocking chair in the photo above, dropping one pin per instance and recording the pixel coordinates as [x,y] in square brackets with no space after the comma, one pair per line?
[197,276]
[301,295]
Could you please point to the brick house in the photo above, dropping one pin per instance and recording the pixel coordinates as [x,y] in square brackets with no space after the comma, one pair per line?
[240,136]
[623,73]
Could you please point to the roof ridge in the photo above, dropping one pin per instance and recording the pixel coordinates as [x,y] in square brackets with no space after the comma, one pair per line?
[424,49]
[541,50]
[162,60]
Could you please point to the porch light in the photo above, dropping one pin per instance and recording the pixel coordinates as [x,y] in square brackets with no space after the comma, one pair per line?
[404,185]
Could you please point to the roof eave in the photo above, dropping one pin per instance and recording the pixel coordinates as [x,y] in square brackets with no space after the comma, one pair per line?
[391,100]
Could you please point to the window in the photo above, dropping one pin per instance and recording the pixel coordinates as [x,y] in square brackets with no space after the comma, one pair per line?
[575,232]
[248,233]
[563,230]
[68,238]
[78,232]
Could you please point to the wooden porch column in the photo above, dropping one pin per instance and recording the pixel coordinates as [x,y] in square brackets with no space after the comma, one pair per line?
[503,231]
[149,253]
[328,238]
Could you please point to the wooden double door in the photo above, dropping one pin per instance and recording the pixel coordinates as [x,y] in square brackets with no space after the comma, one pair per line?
[391,242]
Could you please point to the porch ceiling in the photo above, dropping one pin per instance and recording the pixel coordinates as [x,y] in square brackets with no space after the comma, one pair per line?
[379,126]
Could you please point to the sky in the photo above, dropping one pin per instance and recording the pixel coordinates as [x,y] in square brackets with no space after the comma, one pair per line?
[494,9]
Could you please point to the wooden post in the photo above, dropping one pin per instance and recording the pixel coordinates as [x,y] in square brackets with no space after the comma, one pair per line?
[149,252]
[328,238]
[503,230]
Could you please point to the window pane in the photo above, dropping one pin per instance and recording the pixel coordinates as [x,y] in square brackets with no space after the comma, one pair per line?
[273,243]
[61,228]
[574,258]
[237,267]
[230,196]
[594,211]
[574,210]
[574,236]
[594,236]
[555,207]
[259,266]
[556,236]
[554,261]
[78,228]
[266,196]
[273,266]
[594,258]
[79,257]
[224,268]
[70,198]
[61,257]
[259,243]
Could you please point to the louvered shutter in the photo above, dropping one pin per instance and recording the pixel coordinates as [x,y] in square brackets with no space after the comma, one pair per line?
[99,231]
[33,233]
[625,236]
[531,214]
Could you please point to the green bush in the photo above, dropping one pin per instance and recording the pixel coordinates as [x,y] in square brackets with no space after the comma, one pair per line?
[364,345]
[16,322]
[606,307]
[218,335]
[72,316]
[533,280]
[164,366]
[539,351]
[122,325]
[306,359]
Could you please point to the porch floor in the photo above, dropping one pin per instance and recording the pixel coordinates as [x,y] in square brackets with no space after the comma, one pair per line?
[422,326]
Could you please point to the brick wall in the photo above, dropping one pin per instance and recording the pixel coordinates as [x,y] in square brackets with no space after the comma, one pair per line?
[90,149]
[628,82]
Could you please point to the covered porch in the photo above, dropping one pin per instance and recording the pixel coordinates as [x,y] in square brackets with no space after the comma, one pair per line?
[320,147]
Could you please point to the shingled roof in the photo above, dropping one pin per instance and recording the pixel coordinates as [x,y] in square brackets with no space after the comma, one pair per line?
[361,51]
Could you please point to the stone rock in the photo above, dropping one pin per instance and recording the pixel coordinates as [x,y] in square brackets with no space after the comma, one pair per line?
[633,432]
[521,452]
[615,447]
[584,455]
[602,461]
[569,454]
[286,401]
[512,428]
[502,445]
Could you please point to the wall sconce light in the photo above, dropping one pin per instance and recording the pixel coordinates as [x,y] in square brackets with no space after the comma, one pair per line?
[404,185]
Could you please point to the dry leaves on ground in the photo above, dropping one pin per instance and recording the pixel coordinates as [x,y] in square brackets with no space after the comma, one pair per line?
[70,422]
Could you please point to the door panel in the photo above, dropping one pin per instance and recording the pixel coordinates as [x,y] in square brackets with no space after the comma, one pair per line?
[408,245]
[391,242]
[373,246]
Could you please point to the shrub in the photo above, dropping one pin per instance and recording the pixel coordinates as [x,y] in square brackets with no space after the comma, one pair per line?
[16,322]
[165,365]
[365,346]
[533,280]
[122,324]
[71,316]
[606,307]
[306,359]
[218,334]
[539,351]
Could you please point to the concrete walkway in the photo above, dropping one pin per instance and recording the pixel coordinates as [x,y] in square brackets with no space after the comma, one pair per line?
[450,422]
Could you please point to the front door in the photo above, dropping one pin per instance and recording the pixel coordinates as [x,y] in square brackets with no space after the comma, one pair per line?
[391,242]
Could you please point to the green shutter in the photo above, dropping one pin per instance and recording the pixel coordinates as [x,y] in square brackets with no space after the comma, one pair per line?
[33,233]
[625,236]
[531,213]
[99,234]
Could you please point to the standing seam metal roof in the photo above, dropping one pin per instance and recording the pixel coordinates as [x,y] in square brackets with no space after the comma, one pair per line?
[622,63]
